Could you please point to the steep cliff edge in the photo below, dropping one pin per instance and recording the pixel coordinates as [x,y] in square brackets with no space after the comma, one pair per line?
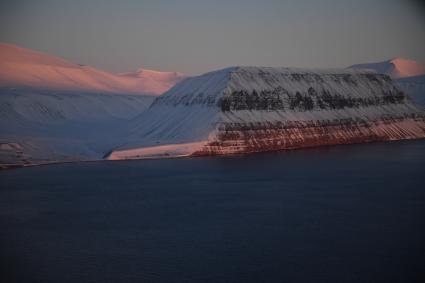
[253,109]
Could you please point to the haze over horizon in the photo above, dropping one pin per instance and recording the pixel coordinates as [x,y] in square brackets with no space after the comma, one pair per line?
[197,36]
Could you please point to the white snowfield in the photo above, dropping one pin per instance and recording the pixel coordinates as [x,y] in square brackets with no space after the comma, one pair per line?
[43,126]
[190,119]
[24,68]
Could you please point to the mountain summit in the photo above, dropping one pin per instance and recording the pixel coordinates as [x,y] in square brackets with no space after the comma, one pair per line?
[396,68]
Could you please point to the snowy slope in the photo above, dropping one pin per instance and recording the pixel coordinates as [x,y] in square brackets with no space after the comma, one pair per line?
[25,68]
[250,109]
[43,126]
[54,110]
[414,86]
[395,68]
[407,74]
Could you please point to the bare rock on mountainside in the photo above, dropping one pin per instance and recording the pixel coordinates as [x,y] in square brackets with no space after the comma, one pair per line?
[253,109]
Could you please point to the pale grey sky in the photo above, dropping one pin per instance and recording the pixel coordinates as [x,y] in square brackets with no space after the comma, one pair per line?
[194,36]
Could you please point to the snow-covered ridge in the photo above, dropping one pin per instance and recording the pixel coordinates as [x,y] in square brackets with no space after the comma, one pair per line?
[249,109]
[395,68]
[28,69]
[267,87]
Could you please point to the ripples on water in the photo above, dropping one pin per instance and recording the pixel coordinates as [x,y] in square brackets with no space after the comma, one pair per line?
[335,214]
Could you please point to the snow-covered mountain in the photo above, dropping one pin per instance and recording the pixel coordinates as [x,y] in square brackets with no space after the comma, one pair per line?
[54,110]
[25,68]
[396,68]
[251,109]
[407,74]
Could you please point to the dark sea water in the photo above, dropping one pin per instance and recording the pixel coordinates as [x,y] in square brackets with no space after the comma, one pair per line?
[335,214]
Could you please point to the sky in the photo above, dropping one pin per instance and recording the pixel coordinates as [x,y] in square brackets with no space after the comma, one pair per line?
[195,36]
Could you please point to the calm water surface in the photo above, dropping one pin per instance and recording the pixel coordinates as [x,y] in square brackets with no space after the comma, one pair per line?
[334,214]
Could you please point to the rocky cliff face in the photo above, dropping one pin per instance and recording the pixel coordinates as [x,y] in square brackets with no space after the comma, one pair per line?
[252,109]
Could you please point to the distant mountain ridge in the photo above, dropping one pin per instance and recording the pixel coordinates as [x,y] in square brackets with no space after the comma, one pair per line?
[167,79]
[26,68]
[396,68]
